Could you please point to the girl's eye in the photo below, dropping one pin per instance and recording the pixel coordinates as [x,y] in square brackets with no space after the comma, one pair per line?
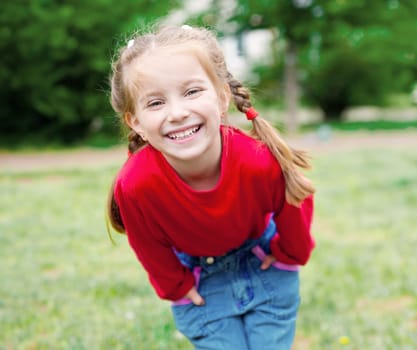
[192,91]
[154,103]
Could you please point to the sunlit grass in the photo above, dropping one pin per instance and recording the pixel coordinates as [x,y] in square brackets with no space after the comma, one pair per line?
[371,125]
[65,286]
[360,283]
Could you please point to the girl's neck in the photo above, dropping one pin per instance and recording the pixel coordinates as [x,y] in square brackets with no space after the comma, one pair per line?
[202,180]
[202,173]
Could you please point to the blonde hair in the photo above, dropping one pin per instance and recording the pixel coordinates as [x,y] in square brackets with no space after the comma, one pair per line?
[204,45]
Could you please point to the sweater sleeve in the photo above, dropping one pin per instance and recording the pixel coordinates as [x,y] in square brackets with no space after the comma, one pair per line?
[294,242]
[170,279]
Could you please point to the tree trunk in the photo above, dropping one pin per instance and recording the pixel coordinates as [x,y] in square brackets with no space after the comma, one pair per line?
[291,87]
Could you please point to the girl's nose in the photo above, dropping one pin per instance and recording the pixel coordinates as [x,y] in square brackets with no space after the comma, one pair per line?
[177,111]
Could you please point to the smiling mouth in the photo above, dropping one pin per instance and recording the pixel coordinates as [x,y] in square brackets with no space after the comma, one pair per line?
[181,135]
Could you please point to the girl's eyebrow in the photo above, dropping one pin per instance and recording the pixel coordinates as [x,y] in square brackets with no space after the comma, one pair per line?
[149,94]
[193,81]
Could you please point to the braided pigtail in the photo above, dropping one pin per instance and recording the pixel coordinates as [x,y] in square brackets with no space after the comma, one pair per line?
[241,95]
[135,142]
[113,212]
[298,187]
[122,101]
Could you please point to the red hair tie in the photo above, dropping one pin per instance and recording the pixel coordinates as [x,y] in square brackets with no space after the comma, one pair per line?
[251,113]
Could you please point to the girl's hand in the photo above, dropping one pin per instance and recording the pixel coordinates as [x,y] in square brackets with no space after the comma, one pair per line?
[195,297]
[267,262]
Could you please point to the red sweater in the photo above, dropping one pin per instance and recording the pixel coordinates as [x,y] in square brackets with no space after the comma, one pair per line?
[161,212]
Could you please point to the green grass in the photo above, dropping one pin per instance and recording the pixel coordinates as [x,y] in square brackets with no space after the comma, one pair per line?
[372,125]
[361,281]
[65,286]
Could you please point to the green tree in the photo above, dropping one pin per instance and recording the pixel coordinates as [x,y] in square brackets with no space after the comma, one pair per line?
[55,60]
[348,52]
[363,52]
[293,22]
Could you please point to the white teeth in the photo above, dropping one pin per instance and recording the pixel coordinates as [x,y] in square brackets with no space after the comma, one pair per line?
[183,134]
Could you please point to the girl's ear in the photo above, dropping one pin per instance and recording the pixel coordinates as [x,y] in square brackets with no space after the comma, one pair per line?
[131,120]
[134,124]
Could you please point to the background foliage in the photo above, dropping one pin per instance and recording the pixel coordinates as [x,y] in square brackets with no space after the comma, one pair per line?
[348,52]
[55,56]
[55,62]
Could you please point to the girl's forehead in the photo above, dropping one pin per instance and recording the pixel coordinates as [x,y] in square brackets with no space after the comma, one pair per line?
[166,57]
[159,67]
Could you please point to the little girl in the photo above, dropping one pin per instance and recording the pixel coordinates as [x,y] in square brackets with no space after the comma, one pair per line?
[219,219]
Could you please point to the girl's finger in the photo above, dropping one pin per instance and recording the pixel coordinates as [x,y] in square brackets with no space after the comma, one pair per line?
[267,262]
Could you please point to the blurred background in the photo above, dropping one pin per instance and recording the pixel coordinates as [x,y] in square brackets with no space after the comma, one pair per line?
[337,77]
[307,60]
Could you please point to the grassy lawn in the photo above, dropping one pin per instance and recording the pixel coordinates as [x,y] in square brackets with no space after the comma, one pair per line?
[366,125]
[65,286]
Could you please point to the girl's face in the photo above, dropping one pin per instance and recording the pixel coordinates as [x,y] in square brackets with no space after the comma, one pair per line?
[178,110]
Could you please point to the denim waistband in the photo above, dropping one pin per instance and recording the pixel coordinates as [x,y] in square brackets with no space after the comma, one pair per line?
[211,262]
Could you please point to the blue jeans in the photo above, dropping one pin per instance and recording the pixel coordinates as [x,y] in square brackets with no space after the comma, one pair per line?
[246,308]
